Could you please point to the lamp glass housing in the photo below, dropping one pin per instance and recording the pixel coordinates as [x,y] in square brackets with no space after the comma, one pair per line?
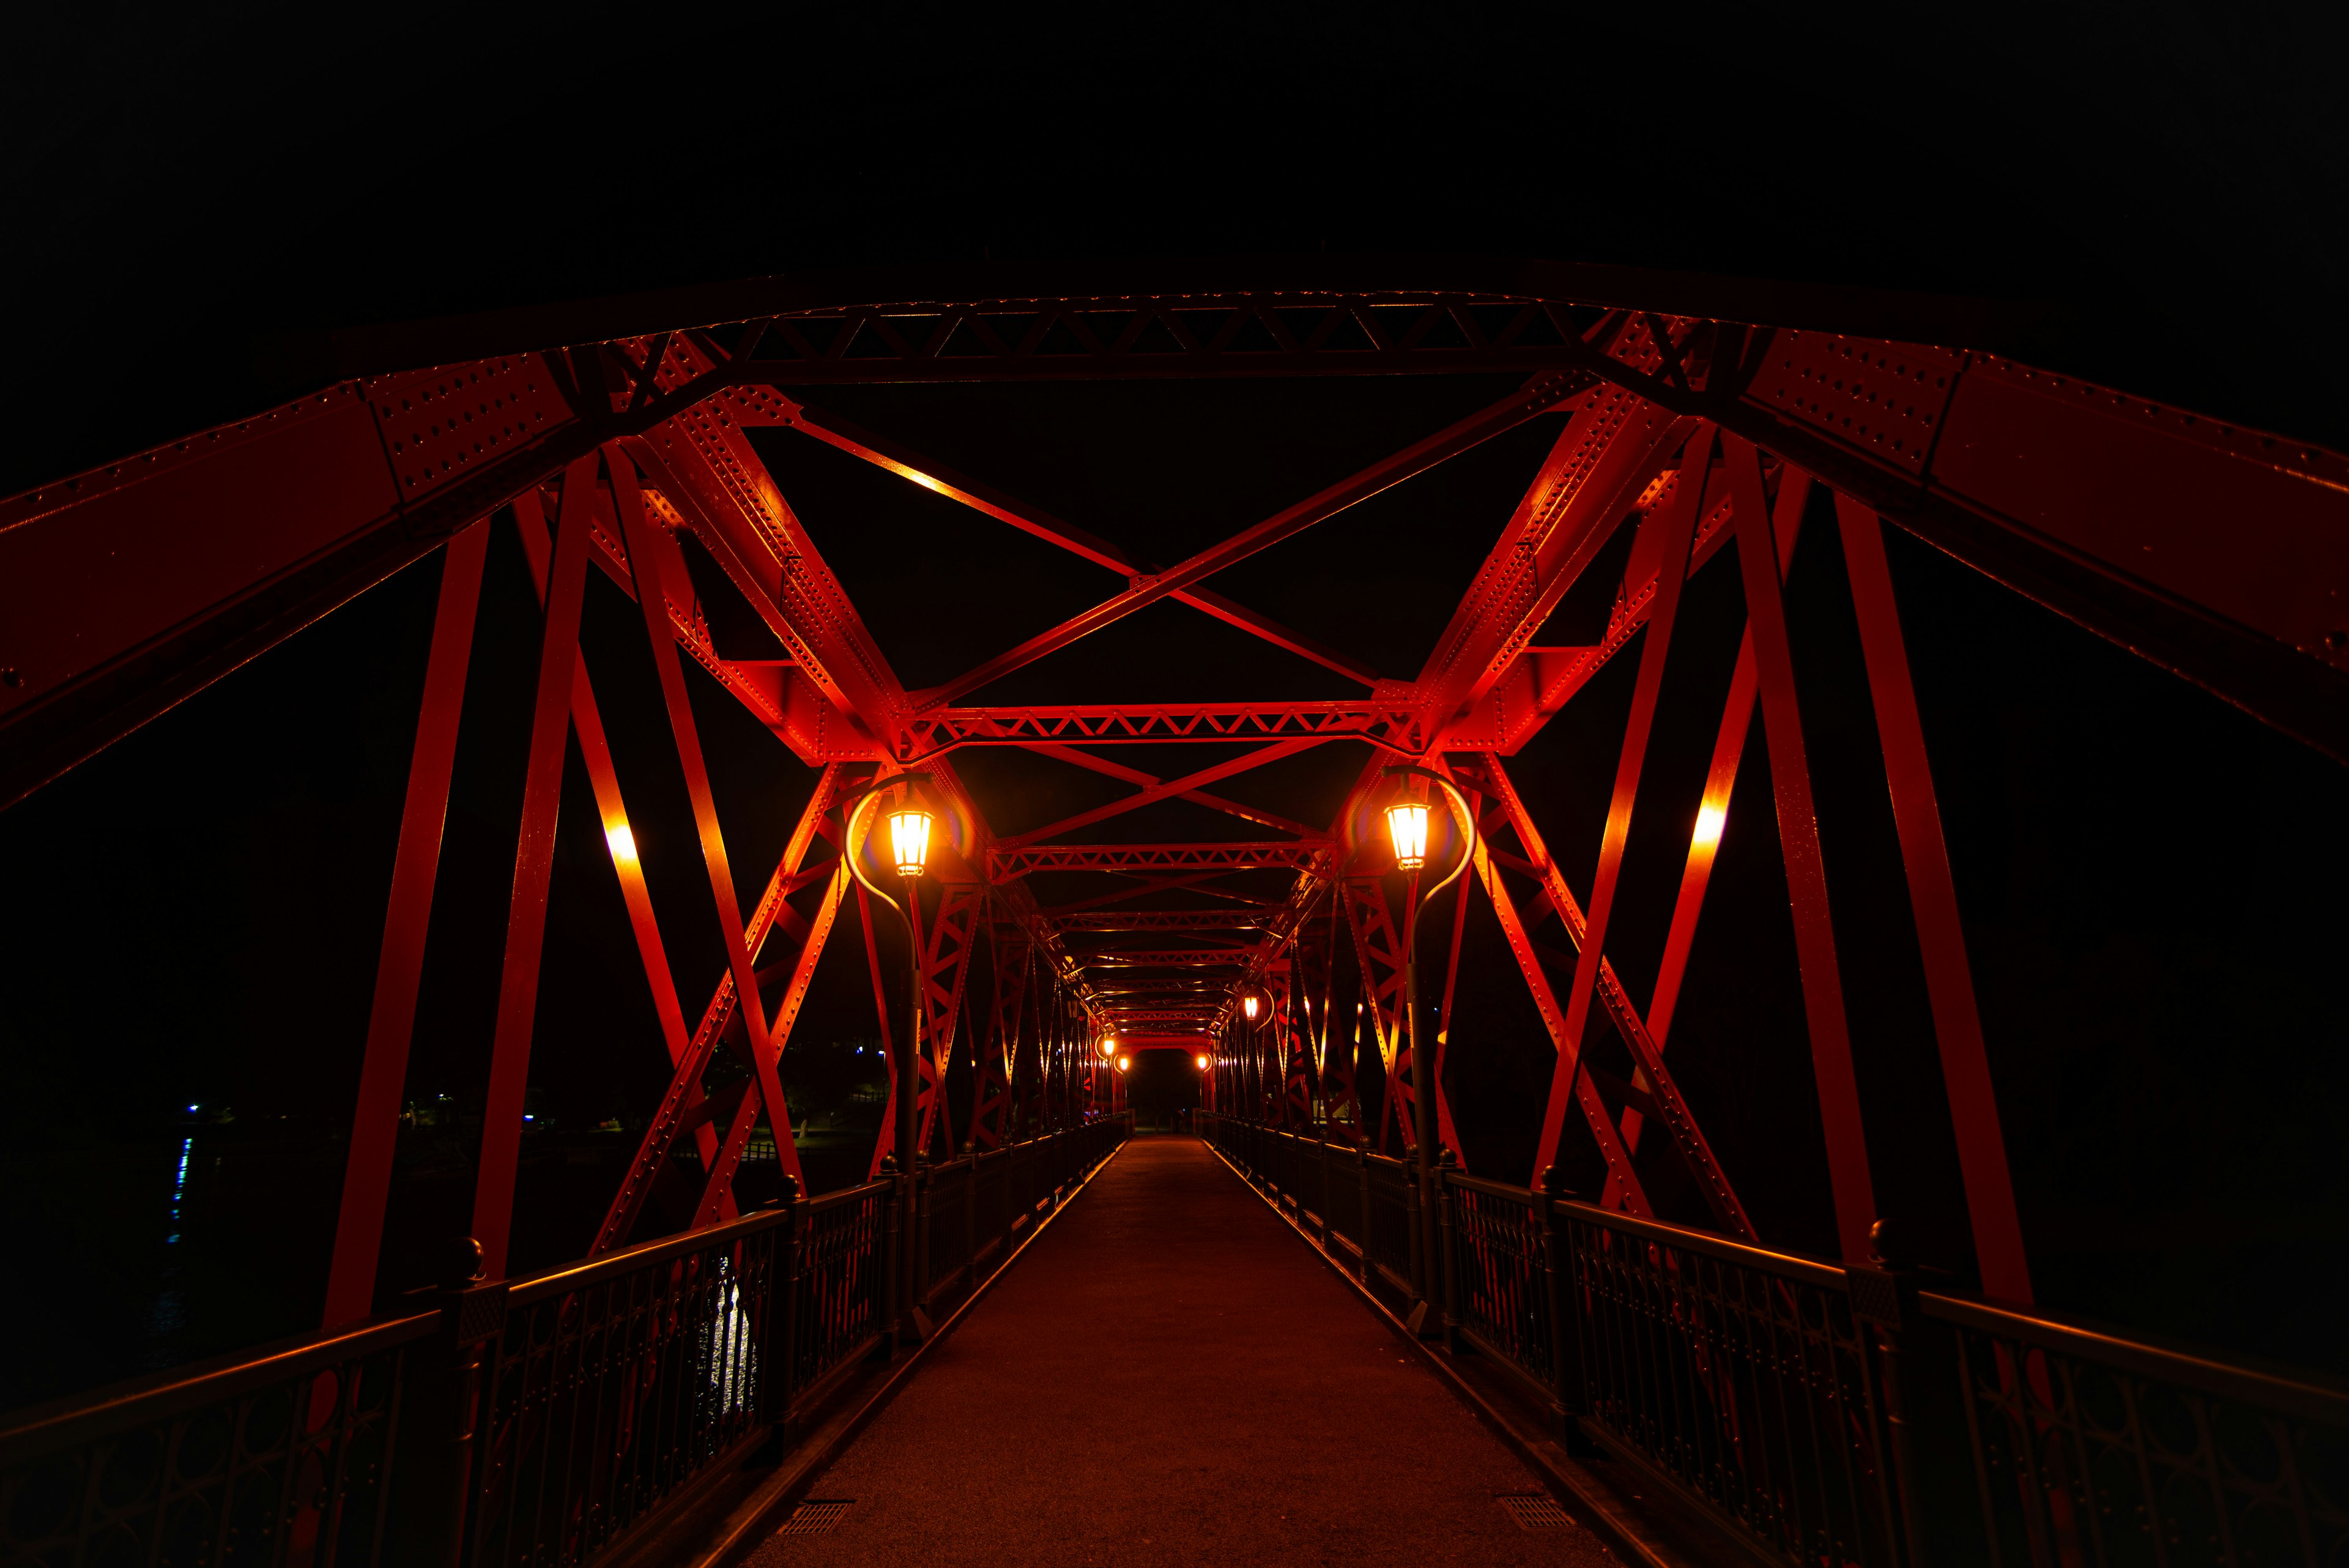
[1109,1046]
[1124,1063]
[909,840]
[1203,1063]
[1248,1006]
[1407,826]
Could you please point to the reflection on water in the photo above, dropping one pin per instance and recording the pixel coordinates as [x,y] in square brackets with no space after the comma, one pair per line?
[180,1188]
[239,1252]
[171,1315]
[730,1352]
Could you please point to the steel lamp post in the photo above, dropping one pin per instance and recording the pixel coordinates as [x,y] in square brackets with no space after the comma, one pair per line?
[1407,832]
[909,849]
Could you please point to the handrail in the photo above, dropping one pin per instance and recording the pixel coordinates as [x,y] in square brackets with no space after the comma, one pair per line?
[399,1439]
[1807,1407]
[41,1428]
[2275,1391]
[1808,1270]
[577,1276]
[846,1195]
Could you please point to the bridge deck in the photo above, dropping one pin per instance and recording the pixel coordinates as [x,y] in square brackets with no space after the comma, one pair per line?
[1169,1375]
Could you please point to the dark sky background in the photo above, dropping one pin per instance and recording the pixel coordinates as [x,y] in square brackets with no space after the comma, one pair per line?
[180,182]
[2150,877]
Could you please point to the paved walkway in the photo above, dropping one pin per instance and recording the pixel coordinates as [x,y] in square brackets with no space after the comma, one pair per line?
[1170,1376]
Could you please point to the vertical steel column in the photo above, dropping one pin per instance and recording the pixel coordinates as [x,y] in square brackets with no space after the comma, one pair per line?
[1798,840]
[779,1356]
[909,1089]
[1424,1266]
[542,799]
[1933,898]
[1675,527]
[391,1019]
[646,546]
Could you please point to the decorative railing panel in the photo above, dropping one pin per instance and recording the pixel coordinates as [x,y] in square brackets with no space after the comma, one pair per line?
[2091,1449]
[1743,1376]
[1393,1199]
[614,1385]
[580,1403]
[289,1455]
[842,1288]
[1502,1288]
[1844,1416]
[947,1219]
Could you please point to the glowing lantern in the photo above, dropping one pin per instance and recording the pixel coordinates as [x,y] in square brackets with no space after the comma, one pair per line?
[1203,1063]
[1109,1045]
[1407,826]
[909,837]
[1124,1063]
[1248,1006]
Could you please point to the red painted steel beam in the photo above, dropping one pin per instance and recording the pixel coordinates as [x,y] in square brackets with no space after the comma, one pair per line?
[1674,530]
[707,474]
[839,433]
[123,589]
[1614,446]
[1169,920]
[1198,882]
[400,967]
[646,547]
[1007,862]
[1712,815]
[1179,957]
[1391,722]
[1541,680]
[1620,1175]
[1647,1053]
[1228,334]
[1240,809]
[1798,835]
[685,1083]
[127,588]
[587,729]
[1934,900]
[533,866]
[1461,436]
[1150,794]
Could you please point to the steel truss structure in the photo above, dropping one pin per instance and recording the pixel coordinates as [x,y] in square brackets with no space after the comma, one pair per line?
[1692,417]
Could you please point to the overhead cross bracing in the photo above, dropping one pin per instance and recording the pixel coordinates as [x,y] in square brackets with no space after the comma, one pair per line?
[1613,439]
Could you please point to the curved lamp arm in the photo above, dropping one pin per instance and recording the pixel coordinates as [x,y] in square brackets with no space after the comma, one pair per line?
[1459,804]
[849,844]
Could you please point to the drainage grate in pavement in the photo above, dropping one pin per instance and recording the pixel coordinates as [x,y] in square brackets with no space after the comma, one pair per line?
[1537,1511]
[813,1517]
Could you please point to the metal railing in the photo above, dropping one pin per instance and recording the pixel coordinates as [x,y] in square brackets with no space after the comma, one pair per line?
[974,1207]
[1363,1206]
[532,1423]
[1847,1416]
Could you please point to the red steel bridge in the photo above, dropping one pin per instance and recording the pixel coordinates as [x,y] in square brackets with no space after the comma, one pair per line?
[1607,1302]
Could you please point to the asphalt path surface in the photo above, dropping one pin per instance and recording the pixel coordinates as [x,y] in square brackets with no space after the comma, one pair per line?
[1169,1374]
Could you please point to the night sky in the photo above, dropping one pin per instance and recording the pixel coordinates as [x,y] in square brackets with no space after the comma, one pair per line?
[2150,880]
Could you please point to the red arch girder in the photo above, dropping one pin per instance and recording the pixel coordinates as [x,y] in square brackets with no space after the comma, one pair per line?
[126,589]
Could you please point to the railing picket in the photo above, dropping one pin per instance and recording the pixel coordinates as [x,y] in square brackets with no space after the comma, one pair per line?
[1779,1394]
